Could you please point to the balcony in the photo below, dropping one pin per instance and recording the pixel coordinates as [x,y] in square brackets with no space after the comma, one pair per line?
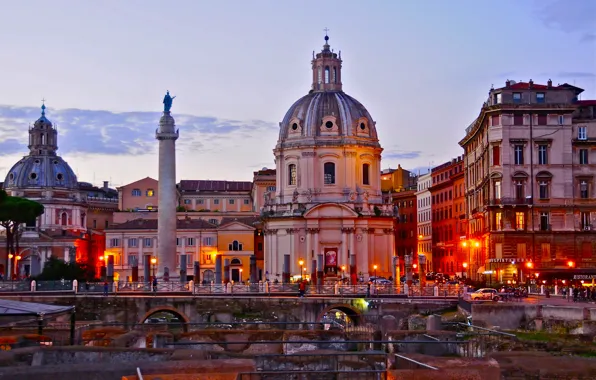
[509,202]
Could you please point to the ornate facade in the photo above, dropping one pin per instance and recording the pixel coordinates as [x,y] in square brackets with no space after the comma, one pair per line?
[327,208]
[529,180]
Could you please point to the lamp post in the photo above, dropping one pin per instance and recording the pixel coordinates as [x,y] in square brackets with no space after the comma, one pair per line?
[153,264]
[465,266]
[103,272]
[375,269]
[9,271]
[240,275]
[301,263]
[343,269]
[16,265]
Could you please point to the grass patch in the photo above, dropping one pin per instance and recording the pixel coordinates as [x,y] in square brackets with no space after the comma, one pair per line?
[537,336]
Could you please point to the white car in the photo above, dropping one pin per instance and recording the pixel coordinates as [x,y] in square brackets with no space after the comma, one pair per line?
[485,294]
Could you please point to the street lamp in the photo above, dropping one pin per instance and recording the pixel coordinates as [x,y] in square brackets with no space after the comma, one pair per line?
[240,275]
[465,265]
[103,272]
[375,269]
[16,265]
[301,263]
[153,263]
[9,271]
[343,269]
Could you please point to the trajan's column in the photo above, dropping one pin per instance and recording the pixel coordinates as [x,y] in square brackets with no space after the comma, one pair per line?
[166,134]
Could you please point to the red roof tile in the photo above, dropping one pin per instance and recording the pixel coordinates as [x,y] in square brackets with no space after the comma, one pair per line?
[151,224]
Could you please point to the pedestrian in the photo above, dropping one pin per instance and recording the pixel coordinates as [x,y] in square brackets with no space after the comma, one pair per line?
[154,284]
[302,288]
[105,288]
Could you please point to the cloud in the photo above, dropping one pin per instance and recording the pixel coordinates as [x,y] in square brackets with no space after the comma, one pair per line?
[110,133]
[402,155]
[569,16]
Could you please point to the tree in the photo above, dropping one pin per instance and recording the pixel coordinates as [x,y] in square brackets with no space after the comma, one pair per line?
[15,211]
[56,269]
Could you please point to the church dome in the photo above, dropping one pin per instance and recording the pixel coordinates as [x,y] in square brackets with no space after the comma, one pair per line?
[327,113]
[42,167]
[41,171]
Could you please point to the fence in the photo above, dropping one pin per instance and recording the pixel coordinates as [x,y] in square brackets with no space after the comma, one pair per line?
[232,289]
[318,375]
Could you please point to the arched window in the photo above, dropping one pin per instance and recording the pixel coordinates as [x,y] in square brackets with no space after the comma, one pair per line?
[365,174]
[64,219]
[235,246]
[327,74]
[236,262]
[335,75]
[329,173]
[43,139]
[292,175]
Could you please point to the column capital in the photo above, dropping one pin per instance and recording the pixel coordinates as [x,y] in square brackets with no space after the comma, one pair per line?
[313,230]
[348,230]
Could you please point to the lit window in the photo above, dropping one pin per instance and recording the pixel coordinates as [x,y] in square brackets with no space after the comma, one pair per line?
[150,193]
[520,220]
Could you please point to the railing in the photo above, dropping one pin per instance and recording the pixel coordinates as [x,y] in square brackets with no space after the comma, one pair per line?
[232,289]
[318,375]
[403,362]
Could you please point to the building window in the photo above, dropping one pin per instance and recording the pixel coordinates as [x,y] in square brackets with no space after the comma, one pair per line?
[200,201]
[540,96]
[582,133]
[213,221]
[583,189]
[187,201]
[231,201]
[114,242]
[292,175]
[561,119]
[190,242]
[365,173]
[517,97]
[150,193]
[583,157]
[147,242]
[518,152]
[216,201]
[329,173]
[498,221]
[247,201]
[519,190]
[543,190]
[520,221]
[542,154]
[132,243]
[136,192]
[497,189]
[235,246]
[208,241]
[107,223]
[270,188]
[518,119]
[497,98]
[94,223]
[541,119]
[586,224]
[178,242]
[259,246]
[496,156]
[544,224]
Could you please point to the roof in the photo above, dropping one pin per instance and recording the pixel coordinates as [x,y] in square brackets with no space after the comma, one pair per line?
[151,224]
[249,221]
[135,182]
[208,185]
[536,86]
[579,103]
[18,308]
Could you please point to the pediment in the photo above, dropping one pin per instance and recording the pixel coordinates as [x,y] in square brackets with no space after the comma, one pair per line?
[330,211]
[235,226]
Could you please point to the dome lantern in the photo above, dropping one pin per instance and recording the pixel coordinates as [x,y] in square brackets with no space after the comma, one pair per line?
[326,69]
[43,137]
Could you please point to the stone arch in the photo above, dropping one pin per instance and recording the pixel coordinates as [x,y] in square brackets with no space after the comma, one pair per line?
[169,309]
[353,313]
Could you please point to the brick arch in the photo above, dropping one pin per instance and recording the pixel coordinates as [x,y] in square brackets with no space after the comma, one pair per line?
[170,309]
[350,311]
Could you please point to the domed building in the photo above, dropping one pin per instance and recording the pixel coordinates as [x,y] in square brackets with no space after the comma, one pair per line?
[327,208]
[45,177]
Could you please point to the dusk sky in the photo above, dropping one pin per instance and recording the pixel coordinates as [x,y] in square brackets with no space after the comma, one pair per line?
[422,69]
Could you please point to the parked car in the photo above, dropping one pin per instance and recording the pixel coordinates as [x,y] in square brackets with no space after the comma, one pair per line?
[485,294]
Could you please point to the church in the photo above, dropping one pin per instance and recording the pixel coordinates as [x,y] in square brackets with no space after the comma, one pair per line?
[327,213]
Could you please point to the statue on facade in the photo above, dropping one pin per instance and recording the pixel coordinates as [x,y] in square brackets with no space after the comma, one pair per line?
[167,102]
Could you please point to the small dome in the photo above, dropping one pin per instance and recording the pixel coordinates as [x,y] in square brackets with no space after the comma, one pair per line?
[41,171]
[326,114]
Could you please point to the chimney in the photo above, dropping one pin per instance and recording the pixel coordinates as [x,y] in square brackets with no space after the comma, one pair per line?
[507,83]
[550,83]
[531,83]
[105,185]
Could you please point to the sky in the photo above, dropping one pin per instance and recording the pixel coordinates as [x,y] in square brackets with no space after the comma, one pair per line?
[422,68]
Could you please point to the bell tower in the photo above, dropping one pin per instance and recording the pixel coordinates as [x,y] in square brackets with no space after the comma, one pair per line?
[43,137]
[326,69]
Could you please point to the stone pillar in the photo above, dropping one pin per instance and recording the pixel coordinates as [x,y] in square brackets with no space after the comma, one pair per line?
[110,269]
[147,268]
[226,271]
[320,267]
[183,267]
[353,269]
[218,261]
[422,270]
[253,269]
[395,267]
[313,272]
[134,268]
[167,135]
[286,270]
[197,272]
[408,266]
[343,260]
